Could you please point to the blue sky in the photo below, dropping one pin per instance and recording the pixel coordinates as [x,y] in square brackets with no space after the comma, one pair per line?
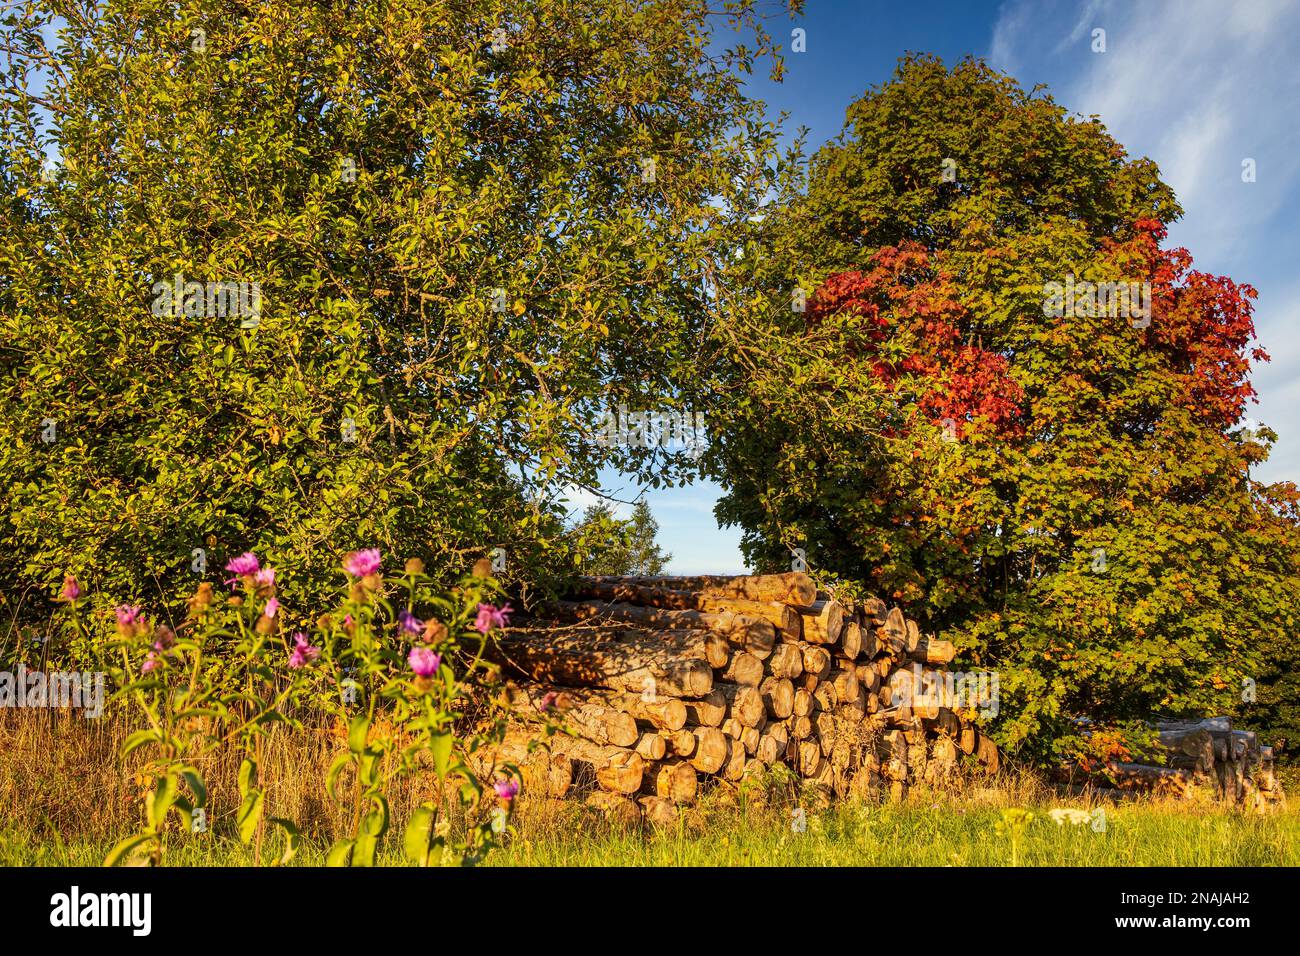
[1196,85]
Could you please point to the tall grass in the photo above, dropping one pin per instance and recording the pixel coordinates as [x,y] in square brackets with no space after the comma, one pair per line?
[65,798]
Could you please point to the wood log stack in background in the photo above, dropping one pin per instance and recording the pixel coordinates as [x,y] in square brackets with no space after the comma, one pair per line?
[666,684]
[1207,754]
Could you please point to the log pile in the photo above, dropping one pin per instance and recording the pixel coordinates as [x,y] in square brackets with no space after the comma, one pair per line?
[1207,755]
[665,685]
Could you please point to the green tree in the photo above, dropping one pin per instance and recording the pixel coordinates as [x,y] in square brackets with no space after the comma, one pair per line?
[463,229]
[618,546]
[1061,488]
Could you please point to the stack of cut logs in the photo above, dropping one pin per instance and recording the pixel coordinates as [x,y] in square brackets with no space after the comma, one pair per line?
[1210,756]
[663,684]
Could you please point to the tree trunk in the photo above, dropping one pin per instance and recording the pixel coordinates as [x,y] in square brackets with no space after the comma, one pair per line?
[745,703]
[744,668]
[822,622]
[778,697]
[710,750]
[673,779]
[786,661]
[613,768]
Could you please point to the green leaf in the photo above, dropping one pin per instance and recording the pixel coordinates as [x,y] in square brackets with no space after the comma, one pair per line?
[247,776]
[249,816]
[440,746]
[160,801]
[332,778]
[128,846]
[340,853]
[196,786]
[292,838]
[364,850]
[419,835]
[139,739]
[357,733]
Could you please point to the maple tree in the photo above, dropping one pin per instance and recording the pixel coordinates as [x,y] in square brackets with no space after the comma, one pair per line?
[1065,493]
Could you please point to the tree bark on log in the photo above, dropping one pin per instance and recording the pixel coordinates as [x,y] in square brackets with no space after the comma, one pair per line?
[816,660]
[662,713]
[851,639]
[744,668]
[681,743]
[651,746]
[671,663]
[745,703]
[794,587]
[803,703]
[615,806]
[587,716]
[753,634]
[658,811]
[612,768]
[673,779]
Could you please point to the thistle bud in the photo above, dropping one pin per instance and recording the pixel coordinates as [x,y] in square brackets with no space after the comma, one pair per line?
[435,632]
[202,598]
[414,566]
[482,568]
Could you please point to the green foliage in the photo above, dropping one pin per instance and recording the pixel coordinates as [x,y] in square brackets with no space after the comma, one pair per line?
[380,172]
[1066,497]
[622,547]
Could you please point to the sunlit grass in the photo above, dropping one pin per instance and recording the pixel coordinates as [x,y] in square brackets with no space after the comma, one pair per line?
[962,832]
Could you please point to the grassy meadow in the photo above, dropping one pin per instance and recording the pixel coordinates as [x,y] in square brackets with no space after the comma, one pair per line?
[67,799]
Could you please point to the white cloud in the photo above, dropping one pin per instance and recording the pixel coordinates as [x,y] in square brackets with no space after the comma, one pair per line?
[1198,86]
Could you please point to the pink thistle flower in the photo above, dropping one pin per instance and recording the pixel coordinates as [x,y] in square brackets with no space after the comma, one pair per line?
[547,701]
[264,577]
[151,662]
[363,563]
[303,653]
[166,638]
[490,617]
[424,661]
[410,623]
[272,606]
[71,589]
[127,614]
[507,790]
[245,564]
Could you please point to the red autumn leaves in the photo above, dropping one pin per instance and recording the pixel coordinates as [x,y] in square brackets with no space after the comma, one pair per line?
[1201,322]
[902,298]
[902,316]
